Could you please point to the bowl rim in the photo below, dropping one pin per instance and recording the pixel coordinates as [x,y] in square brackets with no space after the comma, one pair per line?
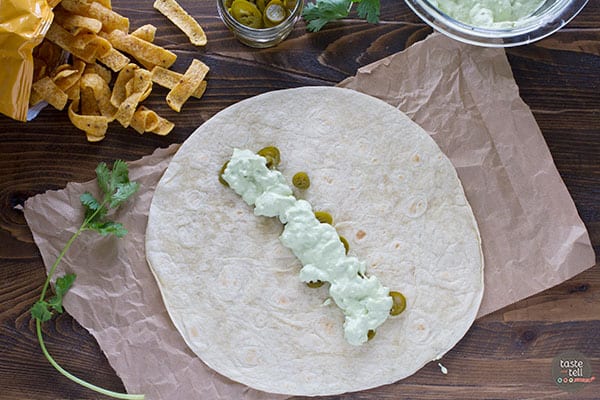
[528,30]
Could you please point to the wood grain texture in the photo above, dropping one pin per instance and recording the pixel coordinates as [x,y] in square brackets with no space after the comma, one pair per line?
[506,355]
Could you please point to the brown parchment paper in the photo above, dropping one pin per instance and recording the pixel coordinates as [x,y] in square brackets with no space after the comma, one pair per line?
[464,96]
[467,99]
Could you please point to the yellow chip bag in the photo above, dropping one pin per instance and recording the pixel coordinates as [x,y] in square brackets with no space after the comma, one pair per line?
[19,35]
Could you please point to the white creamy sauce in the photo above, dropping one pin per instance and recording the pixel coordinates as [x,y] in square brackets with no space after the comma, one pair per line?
[365,302]
[488,13]
[443,369]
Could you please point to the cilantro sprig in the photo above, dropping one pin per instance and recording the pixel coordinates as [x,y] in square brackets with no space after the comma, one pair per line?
[116,189]
[320,12]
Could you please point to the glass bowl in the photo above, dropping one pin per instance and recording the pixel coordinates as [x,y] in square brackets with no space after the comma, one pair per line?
[550,16]
[263,37]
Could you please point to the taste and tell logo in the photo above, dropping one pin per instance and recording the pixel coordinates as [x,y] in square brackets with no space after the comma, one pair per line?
[571,371]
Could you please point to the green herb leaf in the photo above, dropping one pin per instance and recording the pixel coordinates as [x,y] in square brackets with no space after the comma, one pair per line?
[323,11]
[369,9]
[103,176]
[124,191]
[41,311]
[116,189]
[108,228]
[92,206]
[320,12]
[62,286]
[119,174]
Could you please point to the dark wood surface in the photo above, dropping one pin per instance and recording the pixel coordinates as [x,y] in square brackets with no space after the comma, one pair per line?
[506,355]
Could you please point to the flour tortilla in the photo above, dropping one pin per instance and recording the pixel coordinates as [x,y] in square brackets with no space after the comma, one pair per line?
[232,289]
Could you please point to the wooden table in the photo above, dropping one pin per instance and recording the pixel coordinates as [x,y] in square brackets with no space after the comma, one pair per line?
[506,355]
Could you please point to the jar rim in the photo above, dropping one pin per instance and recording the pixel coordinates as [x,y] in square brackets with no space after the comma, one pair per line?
[226,16]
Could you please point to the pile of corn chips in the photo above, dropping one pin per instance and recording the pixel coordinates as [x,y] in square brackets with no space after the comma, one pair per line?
[99,43]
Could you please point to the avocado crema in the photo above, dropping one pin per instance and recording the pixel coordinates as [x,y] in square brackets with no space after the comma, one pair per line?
[489,13]
[364,301]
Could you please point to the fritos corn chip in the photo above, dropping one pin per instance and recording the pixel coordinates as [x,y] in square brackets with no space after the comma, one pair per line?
[188,84]
[59,36]
[51,93]
[146,120]
[145,32]
[87,102]
[148,54]
[74,23]
[68,75]
[184,21]
[168,79]
[110,19]
[118,93]
[101,93]
[114,60]
[95,126]
[141,82]
[103,72]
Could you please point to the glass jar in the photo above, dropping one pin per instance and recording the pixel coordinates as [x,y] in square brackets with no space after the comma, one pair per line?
[260,37]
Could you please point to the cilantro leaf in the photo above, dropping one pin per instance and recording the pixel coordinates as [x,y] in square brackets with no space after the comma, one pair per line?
[89,201]
[103,176]
[323,11]
[119,174]
[369,9]
[62,286]
[116,189]
[41,311]
[123,192]
[92,206]
[106,228]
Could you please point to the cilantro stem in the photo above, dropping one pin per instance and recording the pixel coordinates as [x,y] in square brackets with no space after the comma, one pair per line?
[116,395]
[66,248]
[60,257]
[38,323]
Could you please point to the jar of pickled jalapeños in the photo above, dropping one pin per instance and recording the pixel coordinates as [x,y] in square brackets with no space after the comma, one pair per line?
[260,23]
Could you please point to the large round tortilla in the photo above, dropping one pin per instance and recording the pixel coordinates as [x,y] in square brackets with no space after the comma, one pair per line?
[232,289]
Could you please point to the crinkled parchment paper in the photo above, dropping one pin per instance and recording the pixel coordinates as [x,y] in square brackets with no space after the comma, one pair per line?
[464,96]
[467,99]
